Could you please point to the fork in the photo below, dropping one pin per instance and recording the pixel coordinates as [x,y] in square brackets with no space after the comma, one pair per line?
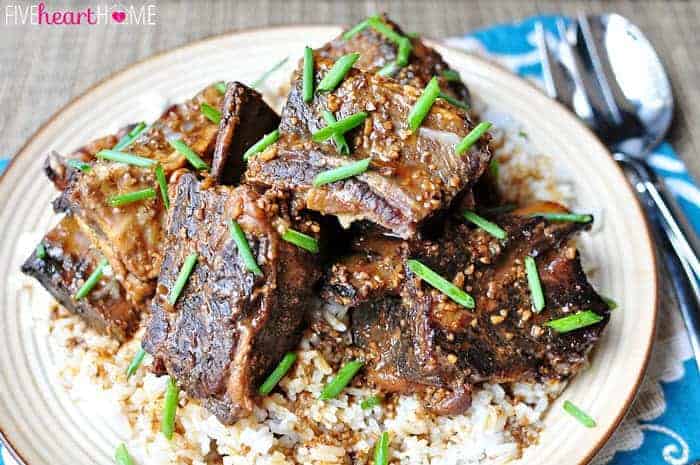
[603,107]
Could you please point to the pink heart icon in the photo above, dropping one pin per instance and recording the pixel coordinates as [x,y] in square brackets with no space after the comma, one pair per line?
[118,16]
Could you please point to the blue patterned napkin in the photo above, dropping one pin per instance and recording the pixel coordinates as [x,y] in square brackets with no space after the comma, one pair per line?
[662,426]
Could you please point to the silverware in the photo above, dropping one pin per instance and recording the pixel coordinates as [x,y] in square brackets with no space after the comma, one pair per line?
[607,72]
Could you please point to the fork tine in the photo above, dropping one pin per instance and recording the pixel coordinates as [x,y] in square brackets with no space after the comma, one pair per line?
[591,48]
[584,93]
[548,62]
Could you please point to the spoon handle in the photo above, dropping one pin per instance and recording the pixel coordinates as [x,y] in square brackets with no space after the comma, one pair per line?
[674,249]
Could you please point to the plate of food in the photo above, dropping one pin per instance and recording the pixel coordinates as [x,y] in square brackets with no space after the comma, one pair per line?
[318,245]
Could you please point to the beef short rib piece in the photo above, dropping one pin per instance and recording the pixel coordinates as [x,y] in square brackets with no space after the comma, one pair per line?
[417,339]
[245,119]
[130,235]
[229,327]
[376,51]
[68,261]
[413,176]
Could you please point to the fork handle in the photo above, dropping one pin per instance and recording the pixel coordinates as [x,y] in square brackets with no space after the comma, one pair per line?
[673,246]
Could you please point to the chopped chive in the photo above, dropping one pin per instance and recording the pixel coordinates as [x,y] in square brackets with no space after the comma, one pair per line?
[131,197]
[337,73]
[565,217]
[91,281]
[339,127]
[404,53]
[486,225]
[342,172]
[262,144]
[579,414]
[78,164]
[121,455]
[301,240]
[388,69]
[494,168]
[370,402]
[190,154]
[135,363]
[182,278]
[451,75]
[239,238]
[163,185]
[382,28]
[167,422]
[340,143]
[573,322]
[41,251]
[356,29]
[533,280]
[126,141]
[453,101]
[522,134]
[308,78]
[441,284]
[124,157]
[255,84]
[471,138]
[211,113]
[612,305]
[423,104]
[381,450]
[220,86]
[412,35]
[341,379]
[278,373]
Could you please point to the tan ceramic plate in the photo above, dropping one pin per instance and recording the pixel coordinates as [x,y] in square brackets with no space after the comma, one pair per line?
[43,426]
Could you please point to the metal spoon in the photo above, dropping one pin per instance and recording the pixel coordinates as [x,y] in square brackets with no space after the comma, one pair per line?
[608,73]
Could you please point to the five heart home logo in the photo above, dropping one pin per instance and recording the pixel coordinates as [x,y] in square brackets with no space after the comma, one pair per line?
[39,14]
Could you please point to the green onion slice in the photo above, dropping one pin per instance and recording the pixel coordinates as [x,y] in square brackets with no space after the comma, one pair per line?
[211,113]
[262,144]
[92,280]
[382,28]
[573,322]
[167,422]
[126,141]
[533,280]
[612,305]
[190,154]
[135,363]
[220,86]
[579,414]
[471,138]
[163,185]
[337,73]
[278,373]
[388,69]
[356,29]
[41,251]
[308,77]
[441,284]
[239,238]
[341,379]
[342,172]
[486,225]
[494,168]
[453,101]
[121,455]
[340,143]
[404,53]
[339,127]
[78,164]
[124,157]
[423,104]
[381,450]
[565,217]
[451,75]
[182,278]
[301,240]
[255,84]
[131,197]
[370,402]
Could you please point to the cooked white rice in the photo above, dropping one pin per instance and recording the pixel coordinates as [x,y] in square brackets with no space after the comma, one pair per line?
[291,425]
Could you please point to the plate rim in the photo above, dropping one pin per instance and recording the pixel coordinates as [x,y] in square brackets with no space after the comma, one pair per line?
[645,231]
